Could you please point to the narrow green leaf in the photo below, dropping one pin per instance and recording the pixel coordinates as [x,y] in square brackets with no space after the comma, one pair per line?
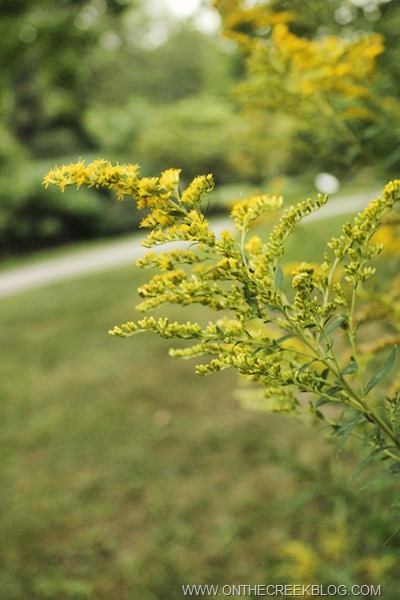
[176,212]
[345,430]
[307,364]
[251,299]
[332,391]
[325,373]
[392,469]
[338,323]
[321,401]
[352,367]
[285,337]
[374,479]
[382,371]
[319,415]
[361,466]
[329,345]
[271,307]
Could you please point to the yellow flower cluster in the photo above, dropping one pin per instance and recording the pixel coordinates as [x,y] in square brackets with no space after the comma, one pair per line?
[159,194]
[278,328]
[248,210]
[324,84]
[355,245]
[123,179]
[329,63]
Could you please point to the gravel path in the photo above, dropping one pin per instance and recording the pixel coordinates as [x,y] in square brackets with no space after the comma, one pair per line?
[76,264]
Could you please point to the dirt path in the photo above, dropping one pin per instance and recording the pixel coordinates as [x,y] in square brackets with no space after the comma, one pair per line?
[77,264]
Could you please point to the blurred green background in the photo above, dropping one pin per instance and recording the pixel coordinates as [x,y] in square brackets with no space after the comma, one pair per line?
[128,81]
[123,475]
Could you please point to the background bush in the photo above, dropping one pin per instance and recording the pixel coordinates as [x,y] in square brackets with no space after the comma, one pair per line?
[89,79]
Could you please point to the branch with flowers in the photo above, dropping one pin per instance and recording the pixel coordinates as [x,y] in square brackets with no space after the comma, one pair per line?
[300,339]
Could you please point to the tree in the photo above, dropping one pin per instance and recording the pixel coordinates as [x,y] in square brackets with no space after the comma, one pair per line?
[45,64]
[44,68]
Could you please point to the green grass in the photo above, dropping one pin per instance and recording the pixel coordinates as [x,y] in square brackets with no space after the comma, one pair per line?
[124,475]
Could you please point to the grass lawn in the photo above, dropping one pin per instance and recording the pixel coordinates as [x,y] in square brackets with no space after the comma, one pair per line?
[124,475]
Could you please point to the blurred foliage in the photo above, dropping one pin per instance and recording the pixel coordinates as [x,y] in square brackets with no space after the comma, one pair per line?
[328,67]
[89,78]
[45,66]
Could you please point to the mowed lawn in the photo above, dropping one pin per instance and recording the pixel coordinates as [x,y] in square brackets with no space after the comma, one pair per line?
[124,475]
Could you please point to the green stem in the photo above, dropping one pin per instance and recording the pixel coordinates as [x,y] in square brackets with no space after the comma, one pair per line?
[356,400]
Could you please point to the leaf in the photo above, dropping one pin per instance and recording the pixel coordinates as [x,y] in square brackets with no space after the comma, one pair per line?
[272,308]
[251,299]
[338,323]
[321,401]
[319,415]
[352,367]
[324,400]
[325,373]
[392,469]
[382,371]
[306,365]
[329,345]
[361,466]
[374,479]
[345,430]
[285,337]
[176,213]
[334,389]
